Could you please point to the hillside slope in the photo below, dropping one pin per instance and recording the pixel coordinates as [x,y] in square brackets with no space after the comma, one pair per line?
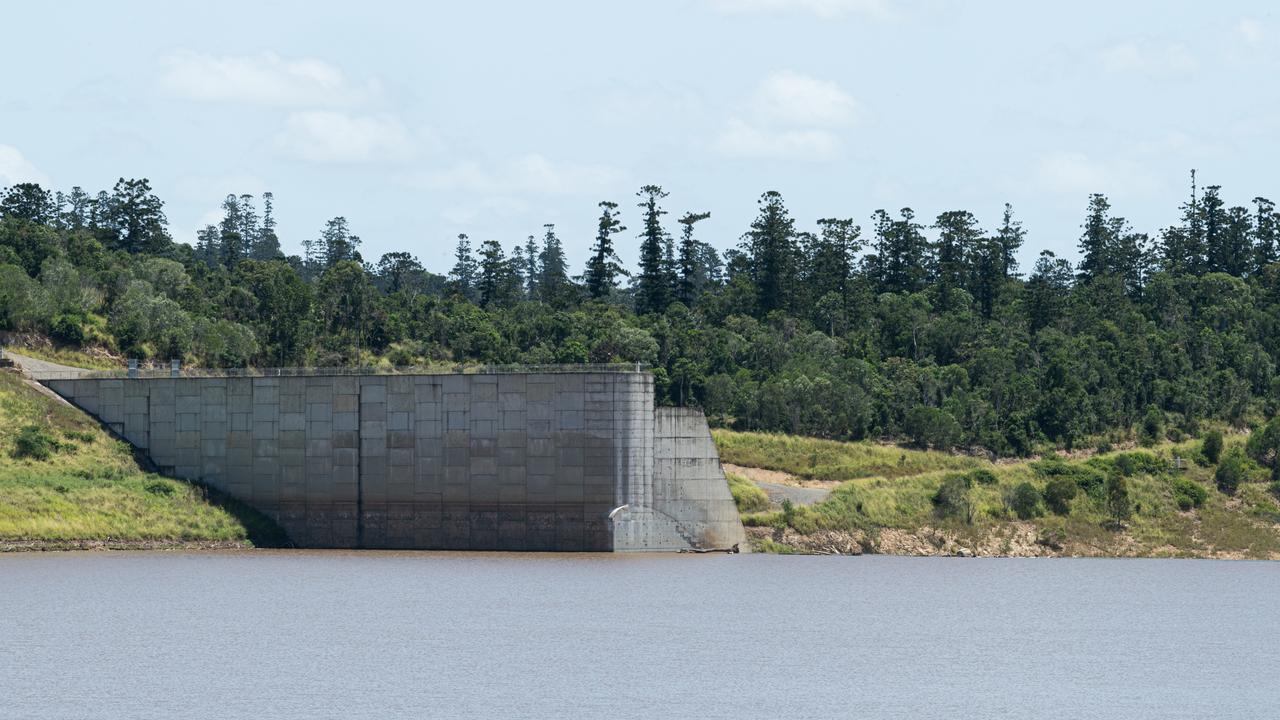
[1124,503]
[66,483]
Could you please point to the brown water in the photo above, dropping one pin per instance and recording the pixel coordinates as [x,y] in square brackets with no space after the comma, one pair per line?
[383,635]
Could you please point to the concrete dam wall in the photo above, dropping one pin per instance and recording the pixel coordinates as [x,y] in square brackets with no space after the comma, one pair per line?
[510,461]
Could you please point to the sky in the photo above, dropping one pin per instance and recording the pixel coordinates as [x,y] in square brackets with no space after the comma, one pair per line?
[419,121]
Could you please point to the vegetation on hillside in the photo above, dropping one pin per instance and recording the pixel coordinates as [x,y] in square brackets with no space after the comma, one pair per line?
[1135,502]
[918,330]
[65,480]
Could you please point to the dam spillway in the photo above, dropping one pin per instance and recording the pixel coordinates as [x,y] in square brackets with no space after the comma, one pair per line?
[521,461]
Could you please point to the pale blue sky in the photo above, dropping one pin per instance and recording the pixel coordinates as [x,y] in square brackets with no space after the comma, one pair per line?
[418,121]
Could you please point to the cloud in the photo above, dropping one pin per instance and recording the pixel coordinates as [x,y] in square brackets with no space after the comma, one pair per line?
[742,139]
[1146,58]
[14,168]
[822,8]
[1077,173]
[1250,30]
[322,136]
[789,116]
[263,79]
[532,173]
[792,98]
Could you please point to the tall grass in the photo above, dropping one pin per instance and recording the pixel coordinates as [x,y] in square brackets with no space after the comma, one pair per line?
[830,459]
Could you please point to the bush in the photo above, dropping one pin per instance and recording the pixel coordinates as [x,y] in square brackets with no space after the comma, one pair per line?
[1024,501]
[83,436]
[1117,495]
[159,487]
[1152,429]
[982,477]
[1189,493]
[1231,472]
[930,427]
[1136,463]
[1058,494]
[952,498]
[1264,445]
[35,442]
[68,329]
[1211,447]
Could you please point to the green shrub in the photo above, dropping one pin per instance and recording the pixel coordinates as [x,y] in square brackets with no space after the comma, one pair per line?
[1134,463]
[982,476]
[83,436]
[1024,501]
[68,329]
[1152,429]
[1052,465]
[1264,445]
[35,442]
[1231,472]
[1058,494]
[1189,493]
[1211,446]
[159,487]
[952,498]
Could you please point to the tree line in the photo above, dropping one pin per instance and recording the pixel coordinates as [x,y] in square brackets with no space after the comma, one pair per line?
[913,329]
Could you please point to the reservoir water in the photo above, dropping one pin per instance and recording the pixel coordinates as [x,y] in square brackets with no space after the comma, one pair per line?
[388,635]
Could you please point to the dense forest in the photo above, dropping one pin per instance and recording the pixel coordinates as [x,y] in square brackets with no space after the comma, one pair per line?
[910,329]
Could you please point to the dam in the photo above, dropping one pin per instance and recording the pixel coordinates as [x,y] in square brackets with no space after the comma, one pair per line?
[570,459]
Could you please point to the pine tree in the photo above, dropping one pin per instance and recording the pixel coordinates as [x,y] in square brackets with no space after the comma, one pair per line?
[76,209]
[604,265]
[231,243]
[1009,239]
[692,276]
[987,272]
[1097,240]
[208,246]
[958,236]
[531,268]
[1236,244]
[30,202]
[831,259]
[900,261]
[266,245]
[495,274]
[463,274]
[1183,246]
[519,270]
[1214,219]
[337,243]
[653,290]
[1047,290]
[771,246]
[1266,234]
[554,286]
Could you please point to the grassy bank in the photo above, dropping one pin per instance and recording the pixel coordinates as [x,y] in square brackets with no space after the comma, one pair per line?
[65,482]
[1129,503]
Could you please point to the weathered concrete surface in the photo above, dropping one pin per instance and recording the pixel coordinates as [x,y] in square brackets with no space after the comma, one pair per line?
[535,461]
